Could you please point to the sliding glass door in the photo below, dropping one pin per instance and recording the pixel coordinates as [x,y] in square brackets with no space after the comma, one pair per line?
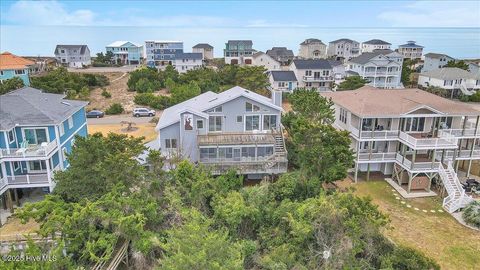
[35,135]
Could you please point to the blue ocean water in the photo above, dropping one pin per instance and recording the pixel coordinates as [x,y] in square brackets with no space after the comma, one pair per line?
[41,40]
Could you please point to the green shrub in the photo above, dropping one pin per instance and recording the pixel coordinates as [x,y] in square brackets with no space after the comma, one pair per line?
[115,108]
[407,259]
[106,94]
[153,101]
[471,214]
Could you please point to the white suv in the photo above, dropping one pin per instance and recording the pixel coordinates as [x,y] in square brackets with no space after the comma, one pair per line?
[137,112]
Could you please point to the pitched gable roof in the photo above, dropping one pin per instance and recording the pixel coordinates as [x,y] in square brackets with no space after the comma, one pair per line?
[366,57]
[30,106]
[121,43]
[376,42]
[81,48]
[311,40]
[436,55]
[450,73]
[209,100]
[344,40]
[312,64]
[11,61]
[283,76]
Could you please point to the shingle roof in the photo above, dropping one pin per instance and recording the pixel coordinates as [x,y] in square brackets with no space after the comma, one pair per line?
[237,42]
[450,73]
[312,64]
[82,48]
[283,76]
[373,102]
[30,106]
[376,42]
[11,61]
[280,53]
[365,57]
[344,40]
[410,44]
[196,56]
[311,40]
[203,46]
[436,55]
[334,63]
[207,101]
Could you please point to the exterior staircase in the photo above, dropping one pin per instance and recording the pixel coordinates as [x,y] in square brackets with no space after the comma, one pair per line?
[456,198]
[465,91]
[280,151]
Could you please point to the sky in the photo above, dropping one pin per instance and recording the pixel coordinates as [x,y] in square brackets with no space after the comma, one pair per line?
[35,27]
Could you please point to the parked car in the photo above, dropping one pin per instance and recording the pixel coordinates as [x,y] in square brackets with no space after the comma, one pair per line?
[137,112]
[95,114]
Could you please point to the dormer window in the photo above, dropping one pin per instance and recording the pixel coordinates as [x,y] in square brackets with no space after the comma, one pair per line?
[216,109]
[249,107]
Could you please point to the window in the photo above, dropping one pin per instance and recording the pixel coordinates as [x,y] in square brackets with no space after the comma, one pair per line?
[1,72]
[208,153]
[62,129]
[269,122]
[70,122]
[35,136]
[37,165]
[415,124]
[19,71]
[252,122]
[264,151]
[225,152]
[248,152]
[249,107]
[308,73]
[365,145]
[239,118]
[216,109]
[215,123]
[308,84]
[448,82]
[16,165]
[199,124]
[170,143]
[63,51]
[11,135]
[343,115]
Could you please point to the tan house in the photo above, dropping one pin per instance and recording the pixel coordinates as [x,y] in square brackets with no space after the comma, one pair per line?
[312,48]
[205,49]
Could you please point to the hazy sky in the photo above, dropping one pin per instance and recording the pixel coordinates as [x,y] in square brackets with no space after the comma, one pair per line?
[267,23]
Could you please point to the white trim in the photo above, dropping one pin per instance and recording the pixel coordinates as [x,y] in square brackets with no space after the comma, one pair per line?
[70,122]
[259,122]
[263,121]
[19,166]
[46,132]
[73,134]
[222,126]
[235,145]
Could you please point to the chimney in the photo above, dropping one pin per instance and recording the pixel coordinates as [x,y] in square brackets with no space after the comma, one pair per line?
[277,97]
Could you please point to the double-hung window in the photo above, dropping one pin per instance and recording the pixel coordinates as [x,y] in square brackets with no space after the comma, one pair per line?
[70,122]
[215,123]
[170,143]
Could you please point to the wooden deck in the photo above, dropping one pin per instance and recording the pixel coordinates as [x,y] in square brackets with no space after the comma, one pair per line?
[236,139]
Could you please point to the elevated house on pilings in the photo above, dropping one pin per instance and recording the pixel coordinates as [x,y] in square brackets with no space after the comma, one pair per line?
[412,136]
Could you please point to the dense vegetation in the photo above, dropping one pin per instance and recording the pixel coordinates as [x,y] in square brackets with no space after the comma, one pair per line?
[10,85]
[115,108]
[458,64]
[471,214]
[407,70]
[187,219]
[75,85]
[104,60]
[352,83]
[187,85]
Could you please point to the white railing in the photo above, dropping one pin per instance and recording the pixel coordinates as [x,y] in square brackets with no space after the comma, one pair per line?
[379,134]
[317,78]
[26,179]
[456,198]
[35,150]
[428,166]
[458,132]
[447,140]
[388,156]
[462,154]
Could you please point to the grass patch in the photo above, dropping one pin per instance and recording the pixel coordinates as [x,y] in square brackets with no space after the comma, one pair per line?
[437,234]
[146,130]
[14,229]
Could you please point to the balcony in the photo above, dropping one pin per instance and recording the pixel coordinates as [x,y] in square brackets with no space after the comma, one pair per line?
[464,154]
[421,164]
[423,141]
[318,78]
[274,164]
[376,157]
[459,133]
[31,151]
[374,135]
[27,180]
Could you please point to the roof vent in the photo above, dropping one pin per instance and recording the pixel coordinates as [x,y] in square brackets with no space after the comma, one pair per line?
[66,103]
[212,99]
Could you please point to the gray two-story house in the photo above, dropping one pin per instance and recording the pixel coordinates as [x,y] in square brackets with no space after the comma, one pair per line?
[75,56]
[233,129]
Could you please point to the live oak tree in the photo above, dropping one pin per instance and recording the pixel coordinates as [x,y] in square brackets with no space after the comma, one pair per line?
[352,83]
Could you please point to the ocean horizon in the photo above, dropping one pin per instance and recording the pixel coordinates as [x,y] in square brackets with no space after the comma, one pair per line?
[458,42]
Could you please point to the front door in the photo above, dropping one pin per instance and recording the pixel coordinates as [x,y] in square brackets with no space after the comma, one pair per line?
[290,86]
[236,154]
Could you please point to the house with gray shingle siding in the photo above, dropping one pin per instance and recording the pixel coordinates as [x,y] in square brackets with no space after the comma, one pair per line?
[283,80]
[75,56]
[375,44]
[313,73]
[281,54]
[188,61]
[205,49]
[434,61]
[456,80]
[343,49]
[235,129]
